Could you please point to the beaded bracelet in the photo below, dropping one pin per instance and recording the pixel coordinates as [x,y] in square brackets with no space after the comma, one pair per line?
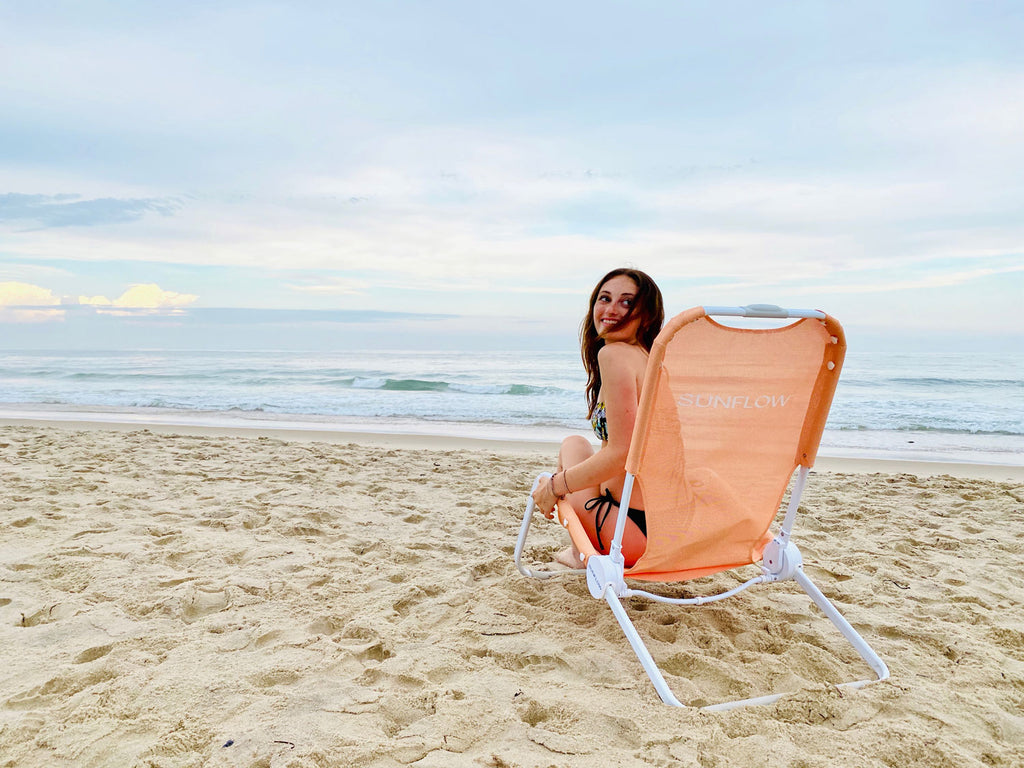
[553,491]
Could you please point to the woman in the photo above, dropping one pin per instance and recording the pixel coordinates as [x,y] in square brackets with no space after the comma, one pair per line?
[625,316]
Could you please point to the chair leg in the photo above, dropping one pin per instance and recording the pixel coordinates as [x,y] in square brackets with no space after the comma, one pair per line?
[661,686]
[860,645]
[524,530]
[644,656]
[654,673]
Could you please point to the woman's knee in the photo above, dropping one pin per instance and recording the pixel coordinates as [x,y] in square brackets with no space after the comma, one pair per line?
[575,449]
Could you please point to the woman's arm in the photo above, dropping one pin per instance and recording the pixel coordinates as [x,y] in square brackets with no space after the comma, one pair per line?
[620,391]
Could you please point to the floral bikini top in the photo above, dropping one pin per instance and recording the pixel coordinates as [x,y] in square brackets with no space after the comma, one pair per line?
[600,423]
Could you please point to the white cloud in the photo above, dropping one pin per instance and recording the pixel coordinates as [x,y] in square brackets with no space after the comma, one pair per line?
[22,302]
[141,296]
[25,294]
[94,301]
[390,173]
[889,285]
[973,110]
[152,296]
[331,286]
[19,303]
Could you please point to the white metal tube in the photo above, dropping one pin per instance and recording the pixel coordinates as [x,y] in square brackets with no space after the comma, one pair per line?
[794,502]
[524,529]
[620,522]
[771,698]
[640,649]
[697,600]
[858,642]
[661,686]
[764,310]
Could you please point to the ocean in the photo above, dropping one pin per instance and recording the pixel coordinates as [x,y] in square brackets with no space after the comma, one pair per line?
[919,406]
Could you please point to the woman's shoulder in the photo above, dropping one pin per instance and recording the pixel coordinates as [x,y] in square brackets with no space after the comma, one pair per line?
[621,348]
[621,353]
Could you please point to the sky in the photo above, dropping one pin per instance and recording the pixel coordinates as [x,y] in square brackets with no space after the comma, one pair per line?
[460,173]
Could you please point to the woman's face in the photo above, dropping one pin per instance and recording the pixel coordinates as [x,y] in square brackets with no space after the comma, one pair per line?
[614,302]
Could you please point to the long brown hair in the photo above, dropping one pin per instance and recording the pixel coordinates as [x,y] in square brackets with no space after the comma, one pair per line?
[647,304]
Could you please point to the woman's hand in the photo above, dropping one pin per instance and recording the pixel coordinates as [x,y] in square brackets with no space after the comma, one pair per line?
[545,499]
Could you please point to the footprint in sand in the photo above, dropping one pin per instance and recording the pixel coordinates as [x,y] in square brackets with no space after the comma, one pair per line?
[91,654]
[199,603]
[413,597]
[494,623]
[60,688]
[554,728]
[275,677]
[47,615]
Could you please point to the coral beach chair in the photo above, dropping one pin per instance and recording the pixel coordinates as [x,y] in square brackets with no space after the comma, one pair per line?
[728,413]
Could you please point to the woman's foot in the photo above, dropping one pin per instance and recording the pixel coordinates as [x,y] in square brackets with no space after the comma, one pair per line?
[570,558]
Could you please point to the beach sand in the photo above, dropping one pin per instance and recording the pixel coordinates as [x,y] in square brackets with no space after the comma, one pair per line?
[206,599]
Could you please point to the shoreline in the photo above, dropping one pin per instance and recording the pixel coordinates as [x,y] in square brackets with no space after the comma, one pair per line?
[307,433]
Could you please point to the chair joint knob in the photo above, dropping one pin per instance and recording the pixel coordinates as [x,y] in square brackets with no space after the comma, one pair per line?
[781,559]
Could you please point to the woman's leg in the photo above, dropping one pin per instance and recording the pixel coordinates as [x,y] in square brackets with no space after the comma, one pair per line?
[599,522]
[575,450]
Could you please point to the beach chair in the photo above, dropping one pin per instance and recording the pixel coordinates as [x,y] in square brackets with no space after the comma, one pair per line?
[728,413]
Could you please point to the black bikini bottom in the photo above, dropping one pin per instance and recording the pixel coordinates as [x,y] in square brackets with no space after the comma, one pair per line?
[603,505]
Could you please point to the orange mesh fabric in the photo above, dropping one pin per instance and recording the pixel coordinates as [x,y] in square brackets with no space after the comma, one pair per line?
[726,416]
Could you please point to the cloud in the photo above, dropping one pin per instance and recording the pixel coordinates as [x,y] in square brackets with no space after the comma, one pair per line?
[330,286]
[971,110]
[364,164]
[95,301]
[15,294]
[881,282]
[142,296]
[68,210]
[21,302]
[152,296]
[25,302]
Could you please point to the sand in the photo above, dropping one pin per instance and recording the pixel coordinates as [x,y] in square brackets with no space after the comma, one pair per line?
[229,600]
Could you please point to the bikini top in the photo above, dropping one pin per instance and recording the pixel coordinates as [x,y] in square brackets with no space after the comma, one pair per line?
[600,423]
